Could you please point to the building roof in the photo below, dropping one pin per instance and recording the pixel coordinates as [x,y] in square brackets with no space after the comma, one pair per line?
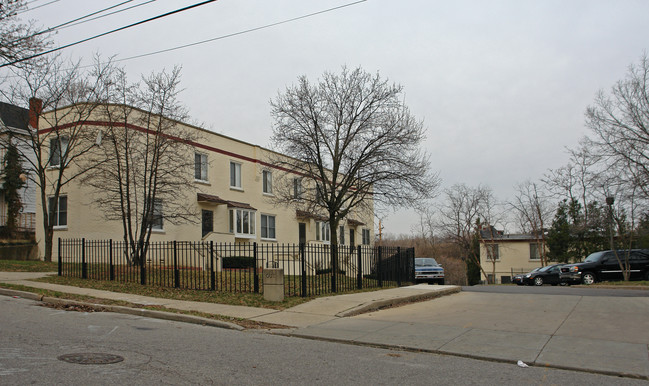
[14,117]
[487,236]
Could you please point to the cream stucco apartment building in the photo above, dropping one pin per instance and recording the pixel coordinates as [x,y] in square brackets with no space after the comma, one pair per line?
[231,194]
[511,254]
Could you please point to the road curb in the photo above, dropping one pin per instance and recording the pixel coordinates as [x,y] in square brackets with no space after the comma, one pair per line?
[125,310]
[381,304]
[461,355]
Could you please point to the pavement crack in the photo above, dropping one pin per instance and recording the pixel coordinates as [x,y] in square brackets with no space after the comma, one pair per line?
[558,328]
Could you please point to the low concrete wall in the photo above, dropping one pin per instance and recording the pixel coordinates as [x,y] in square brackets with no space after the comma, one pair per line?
[19,252]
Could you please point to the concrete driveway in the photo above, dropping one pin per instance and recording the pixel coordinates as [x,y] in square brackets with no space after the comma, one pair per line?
[608,335]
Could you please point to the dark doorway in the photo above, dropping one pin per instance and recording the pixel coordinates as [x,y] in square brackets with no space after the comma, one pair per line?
[302,233]
[208,221]
[351,237]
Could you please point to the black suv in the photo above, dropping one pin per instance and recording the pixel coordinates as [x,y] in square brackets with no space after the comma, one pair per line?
[604,265]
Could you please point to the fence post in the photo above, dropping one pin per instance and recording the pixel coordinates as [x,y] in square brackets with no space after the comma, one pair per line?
[142,264]
[359,277]
[399,268]
[60,259]
[379,271]
[212,273]
[84,266]
[256,274]
[411,259]
[303,268]
[176,271]
[110,259]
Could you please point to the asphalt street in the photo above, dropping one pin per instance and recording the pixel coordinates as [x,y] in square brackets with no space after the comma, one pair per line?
[158,352]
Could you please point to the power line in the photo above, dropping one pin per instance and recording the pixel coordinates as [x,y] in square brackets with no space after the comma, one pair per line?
[39,6]
[107,33]
[110,13]
[240,32]
[69,22]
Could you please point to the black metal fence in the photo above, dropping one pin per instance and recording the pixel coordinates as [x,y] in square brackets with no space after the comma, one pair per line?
[309,270]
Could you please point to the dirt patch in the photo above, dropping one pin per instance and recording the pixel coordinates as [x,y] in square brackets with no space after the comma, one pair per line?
[74,307]
[245,323]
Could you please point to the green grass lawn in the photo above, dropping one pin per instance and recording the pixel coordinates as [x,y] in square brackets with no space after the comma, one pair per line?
[27,266]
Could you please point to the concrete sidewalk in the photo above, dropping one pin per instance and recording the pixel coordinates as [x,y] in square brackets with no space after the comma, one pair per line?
[307,314]
[595,334]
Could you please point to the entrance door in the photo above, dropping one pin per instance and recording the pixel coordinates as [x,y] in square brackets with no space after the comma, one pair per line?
[302,233]
[351,237]
[207,222]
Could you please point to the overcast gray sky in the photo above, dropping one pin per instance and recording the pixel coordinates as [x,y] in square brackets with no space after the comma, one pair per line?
[501,85]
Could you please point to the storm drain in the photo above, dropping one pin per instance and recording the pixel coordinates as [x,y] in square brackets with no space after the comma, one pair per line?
[91,358]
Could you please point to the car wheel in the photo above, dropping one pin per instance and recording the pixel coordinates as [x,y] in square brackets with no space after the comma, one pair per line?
[563,283]
[538,280]
[588,278]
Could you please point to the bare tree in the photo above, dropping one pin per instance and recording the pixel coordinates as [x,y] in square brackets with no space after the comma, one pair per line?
[56,139]
[18,40]
[460,218]
[619,124]
[144,159]
[353,142]
[534,212]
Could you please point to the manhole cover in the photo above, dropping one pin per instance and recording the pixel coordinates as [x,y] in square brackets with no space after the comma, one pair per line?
[91,358]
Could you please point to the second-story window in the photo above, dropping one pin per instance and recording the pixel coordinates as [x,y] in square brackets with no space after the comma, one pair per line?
[200,167]
[297,188]
[58,148]
[267,181]
[235,175]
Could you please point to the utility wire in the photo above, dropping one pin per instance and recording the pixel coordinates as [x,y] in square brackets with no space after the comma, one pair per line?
[240,32]
[70,22]
[107,33]
[38,6]
[110,13]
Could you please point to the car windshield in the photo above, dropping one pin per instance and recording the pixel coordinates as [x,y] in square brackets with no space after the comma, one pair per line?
[594,257]
[425,262]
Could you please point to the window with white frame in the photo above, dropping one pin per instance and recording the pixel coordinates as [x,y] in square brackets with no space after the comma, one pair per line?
[366,237]
[58,147]
[493,252]
[242,222]
[156,215]
[322,231]
[235,175]
[267,181]
[341,234]
[59,217]
[535,251]
[297,188]
[268,226]
[200,167]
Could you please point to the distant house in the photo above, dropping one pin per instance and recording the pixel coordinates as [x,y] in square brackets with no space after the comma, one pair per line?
[14,121]
[512,254]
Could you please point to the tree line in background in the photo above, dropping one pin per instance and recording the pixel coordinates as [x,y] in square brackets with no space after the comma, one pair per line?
[599,200]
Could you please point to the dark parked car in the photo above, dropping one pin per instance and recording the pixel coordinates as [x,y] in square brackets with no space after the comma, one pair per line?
[518,279]
[428,270]
[549,274]
[604,265]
